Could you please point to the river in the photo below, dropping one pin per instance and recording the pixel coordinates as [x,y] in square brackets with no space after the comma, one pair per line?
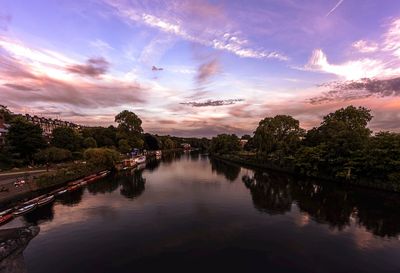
[189,213]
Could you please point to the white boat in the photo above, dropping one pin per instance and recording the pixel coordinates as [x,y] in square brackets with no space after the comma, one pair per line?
[24,209]
[140,159]
[45,200]
[4,212]
[61,191]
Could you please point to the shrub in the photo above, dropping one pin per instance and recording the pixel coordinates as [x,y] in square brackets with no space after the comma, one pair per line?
[103,157]
[53,154]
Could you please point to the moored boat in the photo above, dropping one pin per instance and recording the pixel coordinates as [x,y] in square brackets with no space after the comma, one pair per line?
[62,191]
[89,177]
[6,218]
[24,209]
[45,200]
[4,212]
[77,182]
[33,200]
[73,187]
[140,159]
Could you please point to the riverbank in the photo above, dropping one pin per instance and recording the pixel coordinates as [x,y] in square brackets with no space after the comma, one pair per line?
[10,192]
[254,163]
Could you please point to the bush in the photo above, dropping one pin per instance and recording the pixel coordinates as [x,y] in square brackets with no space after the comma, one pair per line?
[53,154]
[71,173]
[103,157]
[90,142]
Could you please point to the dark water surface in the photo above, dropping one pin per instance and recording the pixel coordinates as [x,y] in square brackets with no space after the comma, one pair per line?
[192,214]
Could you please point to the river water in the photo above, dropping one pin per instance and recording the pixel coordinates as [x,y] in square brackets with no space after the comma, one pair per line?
[188,213]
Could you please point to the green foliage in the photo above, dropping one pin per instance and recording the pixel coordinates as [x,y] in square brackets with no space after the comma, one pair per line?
[123,146]
[89,142]
[70,173]
[168,144]
[25,138]
[130,128]
[278,137]
[105,137]
[8,115]
[129,122]
[53,154]
[224,144]
[151,142]
[339,142]
[66,138]
[103,157]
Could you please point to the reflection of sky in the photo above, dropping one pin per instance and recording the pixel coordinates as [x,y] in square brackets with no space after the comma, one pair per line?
[188,206]
[85,61]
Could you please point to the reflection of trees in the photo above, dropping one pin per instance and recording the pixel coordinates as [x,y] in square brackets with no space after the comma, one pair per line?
[326,202]
[40,214]
[169,157]
[194,155]
[104,185]
[133,186]
[230,171]
[379,213]
[71,198]
[270,194]
[152,165]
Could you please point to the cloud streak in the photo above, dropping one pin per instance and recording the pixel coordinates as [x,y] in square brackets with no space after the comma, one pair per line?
[191,21]
[212,103]
[350,90]
[334,8]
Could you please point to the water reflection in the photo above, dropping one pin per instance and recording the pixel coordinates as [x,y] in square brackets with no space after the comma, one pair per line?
[229,171]
[270,193]
[40,215]
[71,198]
[181,213]
[335,205]
[133,186]
[106,185]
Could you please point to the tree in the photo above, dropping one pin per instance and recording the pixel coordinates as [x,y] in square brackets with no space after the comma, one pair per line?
[53,154]
[129,122]
[224,144]
[278,136]
[66,138]
[101,157]
[25,138]
[130,128]
[152,142]
[123,146]
[338,142]
[8,115]
[90,142]
[168,144]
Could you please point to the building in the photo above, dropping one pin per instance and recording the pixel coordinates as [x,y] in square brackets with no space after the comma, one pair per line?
[243,142]
[186,146]
[3,129]
[48,124]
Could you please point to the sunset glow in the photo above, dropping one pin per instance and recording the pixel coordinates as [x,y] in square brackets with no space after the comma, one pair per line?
[197,67]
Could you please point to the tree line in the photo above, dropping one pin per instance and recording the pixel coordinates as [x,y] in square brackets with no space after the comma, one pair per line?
[26,144]
[341,147]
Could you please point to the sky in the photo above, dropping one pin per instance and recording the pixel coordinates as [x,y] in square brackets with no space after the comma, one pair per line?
[198,67]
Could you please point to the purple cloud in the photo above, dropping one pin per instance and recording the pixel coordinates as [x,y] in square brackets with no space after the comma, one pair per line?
[93,67]
[349,90]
